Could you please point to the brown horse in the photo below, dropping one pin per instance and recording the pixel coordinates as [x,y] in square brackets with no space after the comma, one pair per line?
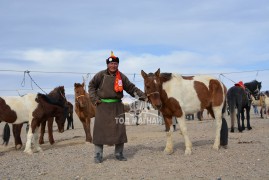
[84,109]
[50,125]
[52,105]
[176,95]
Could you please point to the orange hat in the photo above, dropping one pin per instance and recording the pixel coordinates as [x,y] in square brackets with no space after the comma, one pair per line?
[112,58]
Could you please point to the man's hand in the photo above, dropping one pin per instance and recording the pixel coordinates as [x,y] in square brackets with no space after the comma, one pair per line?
[97,102]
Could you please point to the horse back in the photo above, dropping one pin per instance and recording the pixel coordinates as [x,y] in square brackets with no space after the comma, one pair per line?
[23,106]
[195,93]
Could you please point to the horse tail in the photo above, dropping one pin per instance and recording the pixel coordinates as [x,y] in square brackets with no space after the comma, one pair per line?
[224,133]
[224,128]
[6,134]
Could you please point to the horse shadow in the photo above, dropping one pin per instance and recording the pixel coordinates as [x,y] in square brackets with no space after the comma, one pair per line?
[131,151]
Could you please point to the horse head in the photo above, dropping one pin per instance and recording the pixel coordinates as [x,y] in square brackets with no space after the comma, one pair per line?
[153,87]
[57,95]
[254,87]
[80,95]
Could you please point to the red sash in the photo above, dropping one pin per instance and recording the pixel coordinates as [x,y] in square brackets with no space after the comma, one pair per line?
[118,86]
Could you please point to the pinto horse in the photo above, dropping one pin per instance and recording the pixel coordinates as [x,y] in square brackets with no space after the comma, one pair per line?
[52,105]
[50,125]
[84,109]
[176,95]
[240,98]
[17,110]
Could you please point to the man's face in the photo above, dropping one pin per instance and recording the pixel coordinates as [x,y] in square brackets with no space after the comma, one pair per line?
[112,67]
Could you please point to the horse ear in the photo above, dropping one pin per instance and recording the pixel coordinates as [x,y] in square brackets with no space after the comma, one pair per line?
[144,75]
[157,73]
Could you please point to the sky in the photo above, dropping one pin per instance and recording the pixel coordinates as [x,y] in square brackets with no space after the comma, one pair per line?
[62,42]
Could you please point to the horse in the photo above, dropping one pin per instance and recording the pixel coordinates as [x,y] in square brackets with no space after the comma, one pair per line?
[238,97]
[263,102]
[70,119]
[48,106]
[50,125]
[17,110]
[176,95]
[84,108]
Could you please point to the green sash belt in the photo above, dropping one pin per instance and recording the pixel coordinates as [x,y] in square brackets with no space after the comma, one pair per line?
[110,100]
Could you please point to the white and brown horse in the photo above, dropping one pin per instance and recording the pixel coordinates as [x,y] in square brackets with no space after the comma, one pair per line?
[35,109]
[17,110]
[176,95]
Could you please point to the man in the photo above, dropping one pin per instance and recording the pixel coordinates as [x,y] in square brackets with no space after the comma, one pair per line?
[106,90]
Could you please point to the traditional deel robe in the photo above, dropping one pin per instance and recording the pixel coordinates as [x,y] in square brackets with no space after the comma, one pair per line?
[109,127]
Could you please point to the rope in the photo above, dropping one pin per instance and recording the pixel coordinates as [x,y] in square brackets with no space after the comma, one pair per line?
[227,78]
[32,80]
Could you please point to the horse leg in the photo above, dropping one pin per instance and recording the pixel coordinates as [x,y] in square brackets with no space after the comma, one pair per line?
[30,137]
[68,122]
[50,133]
[72,121]
[238,119]
[248,119]
[169,141]
[183,129]
[233,116]
[16,128]
[37,147]
[261,112]
[243,119]
[218,118]
[87,128]
[42,132]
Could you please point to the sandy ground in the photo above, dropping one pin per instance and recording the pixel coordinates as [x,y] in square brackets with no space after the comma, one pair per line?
[247,156]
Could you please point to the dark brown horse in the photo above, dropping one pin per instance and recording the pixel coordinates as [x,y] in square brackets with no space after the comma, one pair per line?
[176,95]
[50,125]
[52,105]
[84,109]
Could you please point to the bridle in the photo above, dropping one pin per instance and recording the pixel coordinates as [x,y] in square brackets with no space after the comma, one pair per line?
[77,98]
[155,92]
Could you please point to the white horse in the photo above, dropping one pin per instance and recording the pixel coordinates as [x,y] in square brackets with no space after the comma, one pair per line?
[23,108]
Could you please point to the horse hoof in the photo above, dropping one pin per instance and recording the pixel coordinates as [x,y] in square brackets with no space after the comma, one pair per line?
[232,130]
[216,147]
[168,152]
[28,151]
[52,142]
[187,152]
[225,146]
[38,149]
[41,142]
[249,128]
[18,146]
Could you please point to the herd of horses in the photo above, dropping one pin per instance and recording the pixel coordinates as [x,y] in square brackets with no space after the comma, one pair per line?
[171,94]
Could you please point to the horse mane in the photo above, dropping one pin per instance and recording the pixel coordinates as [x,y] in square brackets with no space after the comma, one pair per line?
[252,86]
[165,76]
[49,99]
[55,90]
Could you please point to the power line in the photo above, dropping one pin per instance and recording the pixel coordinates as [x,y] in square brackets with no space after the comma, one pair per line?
[134,74]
